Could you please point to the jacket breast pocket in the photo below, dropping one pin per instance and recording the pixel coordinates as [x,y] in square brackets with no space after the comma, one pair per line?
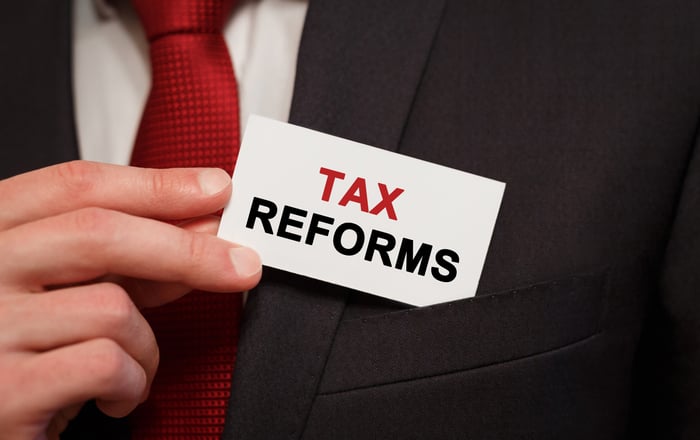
[462,335]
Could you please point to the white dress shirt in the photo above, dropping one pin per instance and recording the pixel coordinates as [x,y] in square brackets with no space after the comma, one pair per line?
[111,68]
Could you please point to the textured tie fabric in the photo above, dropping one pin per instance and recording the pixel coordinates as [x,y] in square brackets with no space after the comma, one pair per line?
[190,120]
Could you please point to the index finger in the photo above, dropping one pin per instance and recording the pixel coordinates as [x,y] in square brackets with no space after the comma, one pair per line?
[168,194]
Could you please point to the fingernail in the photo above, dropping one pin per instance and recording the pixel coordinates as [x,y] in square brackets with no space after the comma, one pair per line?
[213,181]
[245,261]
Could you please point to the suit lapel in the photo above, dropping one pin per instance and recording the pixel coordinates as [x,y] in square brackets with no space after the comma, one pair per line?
[359,65]
[36,118]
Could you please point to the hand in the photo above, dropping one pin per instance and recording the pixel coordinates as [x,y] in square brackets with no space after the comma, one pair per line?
[81,249]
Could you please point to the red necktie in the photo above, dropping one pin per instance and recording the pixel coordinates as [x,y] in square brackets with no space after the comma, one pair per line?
[190,120]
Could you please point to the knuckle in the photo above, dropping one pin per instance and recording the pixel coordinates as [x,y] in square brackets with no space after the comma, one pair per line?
[92,220]
[15,378]
[109,361]
[15,310]
[77,177]
[157,183]
[195,245]
[121,319]
[116,305]
[161,185]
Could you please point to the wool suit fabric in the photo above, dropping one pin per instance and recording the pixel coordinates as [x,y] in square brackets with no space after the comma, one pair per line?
[586,323]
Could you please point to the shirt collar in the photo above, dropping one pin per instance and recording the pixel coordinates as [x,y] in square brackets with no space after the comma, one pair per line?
[105,9]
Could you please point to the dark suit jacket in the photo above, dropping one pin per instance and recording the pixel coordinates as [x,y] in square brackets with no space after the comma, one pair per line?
[587,320]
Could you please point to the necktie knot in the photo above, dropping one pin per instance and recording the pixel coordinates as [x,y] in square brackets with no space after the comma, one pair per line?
[165,17]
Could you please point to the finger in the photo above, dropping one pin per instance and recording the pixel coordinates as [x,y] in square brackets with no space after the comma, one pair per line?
[60,421]
[164,194]
[95,369]
[69,316]
[147,293]
[208,224]
[88,243]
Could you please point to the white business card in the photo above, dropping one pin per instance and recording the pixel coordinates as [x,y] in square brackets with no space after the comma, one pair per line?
[358,216]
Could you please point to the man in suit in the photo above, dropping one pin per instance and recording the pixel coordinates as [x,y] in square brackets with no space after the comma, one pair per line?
[587,319]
